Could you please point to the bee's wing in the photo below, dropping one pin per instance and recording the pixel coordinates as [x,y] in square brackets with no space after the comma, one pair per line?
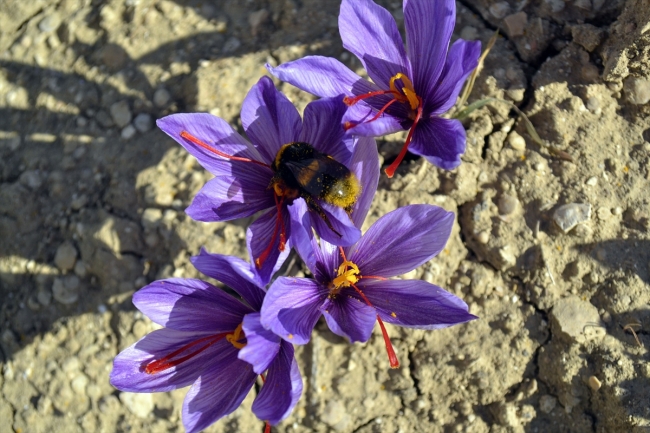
[307,172]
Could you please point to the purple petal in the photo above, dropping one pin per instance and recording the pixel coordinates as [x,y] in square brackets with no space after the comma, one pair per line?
[402,240]
[365,165]
[269,119]
[226,198]
[258,237]
[350,317]
[322,76]
[362,114]
[282,389]
[319,259]
[415,304]
[429,25]
[370,33]
[462,59]
[129,366]
[292,307]
[262,345]
[219,391]
[323,129]
[217,134]
[440,141]
[189,305]
[340,221]
[234,273]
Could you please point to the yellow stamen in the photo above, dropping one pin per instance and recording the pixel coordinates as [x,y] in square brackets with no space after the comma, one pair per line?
[347,274]
[235,337]
[407,90]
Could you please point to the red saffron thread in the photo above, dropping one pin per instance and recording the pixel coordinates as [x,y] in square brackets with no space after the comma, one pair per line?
[279,227]
[390,171]
[392,357]
[168,361]
[186,135]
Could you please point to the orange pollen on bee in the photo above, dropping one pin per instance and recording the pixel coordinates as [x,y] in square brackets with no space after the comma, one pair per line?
[401,89]
[348,275]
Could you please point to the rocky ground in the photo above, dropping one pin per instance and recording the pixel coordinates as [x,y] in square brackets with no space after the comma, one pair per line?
[552,255]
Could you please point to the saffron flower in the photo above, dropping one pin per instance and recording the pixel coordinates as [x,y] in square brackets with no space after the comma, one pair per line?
[212,341]
[351,286]
[245,182]
[410,87]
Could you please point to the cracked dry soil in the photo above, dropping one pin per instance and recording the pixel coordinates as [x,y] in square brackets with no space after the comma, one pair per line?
[92,199]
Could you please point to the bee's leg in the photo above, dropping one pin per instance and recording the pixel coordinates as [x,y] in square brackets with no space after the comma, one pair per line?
[314,206]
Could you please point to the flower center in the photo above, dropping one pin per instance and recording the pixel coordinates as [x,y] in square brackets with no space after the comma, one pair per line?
[401,89]
[192,349]
[348,275]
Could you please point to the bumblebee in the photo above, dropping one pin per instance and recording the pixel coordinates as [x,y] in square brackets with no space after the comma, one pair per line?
[302,171]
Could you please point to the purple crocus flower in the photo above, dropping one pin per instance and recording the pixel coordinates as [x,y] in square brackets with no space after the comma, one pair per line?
[212,341]
[351,286]
[245,182]
[411,88]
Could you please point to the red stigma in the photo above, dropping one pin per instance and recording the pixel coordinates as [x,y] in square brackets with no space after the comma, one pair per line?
[173,359]
[390,171]
[189,137]
[392,357]
[267,427]
[279,228]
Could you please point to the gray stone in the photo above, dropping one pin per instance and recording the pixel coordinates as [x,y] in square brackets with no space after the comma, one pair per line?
[516,24]
[570,215]
[121,113]
[65,292]
[44,296]
[66,256]
[128,132]
[143,122]
[500,9]
[576,320]
[547,403]
[31,179]
[508,204]
[161,97]
[637,90]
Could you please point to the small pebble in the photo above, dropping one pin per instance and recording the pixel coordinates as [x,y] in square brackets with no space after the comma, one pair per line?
[592,181]
[50,23]
[65,291]
[483,237]
[516,141]
[507,204]
[44,296]
[516,24]
[594,383]
[637,90]
[121,113]
[547,403]
[79,384]
[143,122]
[32,179]
[469,33]
[617,210]
[80,269]
[570,215]
[500,9]
[128,132]
[161,97]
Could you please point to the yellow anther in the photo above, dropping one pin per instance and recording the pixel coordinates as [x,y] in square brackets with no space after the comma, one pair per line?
[408,91]
[347,274]
[236,336]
